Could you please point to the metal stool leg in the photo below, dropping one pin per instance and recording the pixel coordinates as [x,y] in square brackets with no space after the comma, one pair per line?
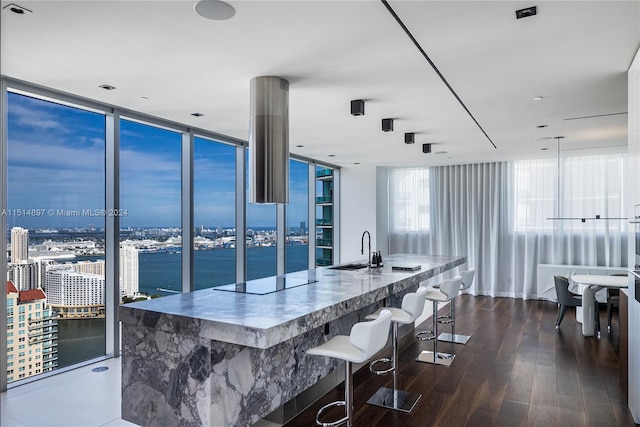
[392,398]
[347,402]
[453,337]
[435,357]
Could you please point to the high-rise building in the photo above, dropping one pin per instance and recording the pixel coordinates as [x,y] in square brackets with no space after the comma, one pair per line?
[32,334]
[23,274]
[129,273]
[90,267]
[29,274]
[72,294]
[19,244]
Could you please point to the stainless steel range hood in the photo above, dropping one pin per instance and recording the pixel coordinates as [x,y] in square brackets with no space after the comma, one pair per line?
[269,140]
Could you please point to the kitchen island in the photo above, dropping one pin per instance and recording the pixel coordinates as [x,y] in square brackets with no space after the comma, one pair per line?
[218,357]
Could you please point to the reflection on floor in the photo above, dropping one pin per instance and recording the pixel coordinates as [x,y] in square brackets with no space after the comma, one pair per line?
[77,398]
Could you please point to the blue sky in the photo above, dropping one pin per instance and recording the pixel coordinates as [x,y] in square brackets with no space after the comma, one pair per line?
[56,161]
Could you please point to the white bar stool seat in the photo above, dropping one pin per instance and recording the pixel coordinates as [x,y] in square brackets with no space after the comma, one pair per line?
[392,398]
[364,341]
[449,289]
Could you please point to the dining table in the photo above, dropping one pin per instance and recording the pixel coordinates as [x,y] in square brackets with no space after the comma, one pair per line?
[593,283]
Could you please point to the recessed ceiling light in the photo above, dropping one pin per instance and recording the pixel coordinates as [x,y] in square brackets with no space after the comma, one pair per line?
[107,87]
[17,9]
[332,155]
[144,98]
[214,9]
[541,126]
[441,152]
[538,98]
[197,114]
[544,148]
[356,163]
[299,146]
[529,11]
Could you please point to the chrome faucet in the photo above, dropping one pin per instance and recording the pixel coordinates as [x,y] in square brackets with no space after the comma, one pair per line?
[362,247]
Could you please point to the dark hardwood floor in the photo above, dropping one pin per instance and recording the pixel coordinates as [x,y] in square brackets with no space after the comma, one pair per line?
[516,370]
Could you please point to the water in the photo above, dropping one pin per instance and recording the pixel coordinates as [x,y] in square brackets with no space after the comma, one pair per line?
[79,340]
[213,267]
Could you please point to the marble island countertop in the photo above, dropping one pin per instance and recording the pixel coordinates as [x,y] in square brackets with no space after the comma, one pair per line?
[262,321]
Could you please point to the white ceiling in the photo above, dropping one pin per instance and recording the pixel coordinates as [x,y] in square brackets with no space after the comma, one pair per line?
[575,54]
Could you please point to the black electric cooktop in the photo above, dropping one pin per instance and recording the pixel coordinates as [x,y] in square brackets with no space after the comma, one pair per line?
[266,285]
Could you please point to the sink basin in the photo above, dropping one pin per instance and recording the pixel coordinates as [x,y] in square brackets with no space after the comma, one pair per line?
[349,267]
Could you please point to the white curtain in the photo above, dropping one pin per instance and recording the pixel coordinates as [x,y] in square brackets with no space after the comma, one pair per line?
[509,217]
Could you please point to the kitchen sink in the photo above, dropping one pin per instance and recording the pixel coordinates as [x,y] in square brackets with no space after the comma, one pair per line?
[349,267]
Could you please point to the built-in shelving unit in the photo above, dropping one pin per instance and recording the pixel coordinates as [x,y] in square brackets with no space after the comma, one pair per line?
[324,216]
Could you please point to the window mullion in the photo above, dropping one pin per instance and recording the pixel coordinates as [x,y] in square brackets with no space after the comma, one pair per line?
[112,232]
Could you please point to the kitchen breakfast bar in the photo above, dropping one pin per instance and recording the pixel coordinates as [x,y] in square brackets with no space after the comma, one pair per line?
[228,356]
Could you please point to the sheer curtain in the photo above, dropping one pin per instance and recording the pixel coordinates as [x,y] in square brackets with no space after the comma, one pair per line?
[409,210]
[503,217]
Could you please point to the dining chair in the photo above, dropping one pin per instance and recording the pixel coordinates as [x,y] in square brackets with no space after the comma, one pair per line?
[565,298]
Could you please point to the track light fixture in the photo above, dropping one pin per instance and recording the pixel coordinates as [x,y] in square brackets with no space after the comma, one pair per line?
[426,148]
[357,107]
[387,125]
[409,138]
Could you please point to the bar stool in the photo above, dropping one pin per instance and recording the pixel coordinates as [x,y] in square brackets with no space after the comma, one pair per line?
[392,398]
[467,281]
[449,289]
[364,341]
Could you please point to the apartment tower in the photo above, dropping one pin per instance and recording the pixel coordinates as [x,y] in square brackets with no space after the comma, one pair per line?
[32,334]
[19,244]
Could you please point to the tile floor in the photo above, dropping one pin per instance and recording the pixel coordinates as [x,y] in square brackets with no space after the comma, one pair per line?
[76,398]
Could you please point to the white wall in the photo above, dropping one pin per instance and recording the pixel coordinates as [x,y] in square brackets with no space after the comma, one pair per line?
[634,198]
[357,211]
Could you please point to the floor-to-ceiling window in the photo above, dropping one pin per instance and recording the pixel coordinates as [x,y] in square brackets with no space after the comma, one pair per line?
[56,219]
[62,170]
[150,198]
[261,237]
[297,217]
[510,217]
[214,181]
